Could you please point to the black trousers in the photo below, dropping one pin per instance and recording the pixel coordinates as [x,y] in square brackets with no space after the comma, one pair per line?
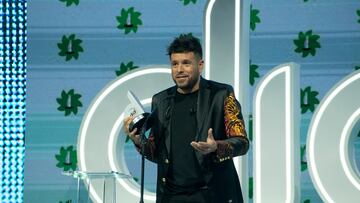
[200,196]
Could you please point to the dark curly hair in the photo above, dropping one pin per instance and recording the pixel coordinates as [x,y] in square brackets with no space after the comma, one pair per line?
[185,43]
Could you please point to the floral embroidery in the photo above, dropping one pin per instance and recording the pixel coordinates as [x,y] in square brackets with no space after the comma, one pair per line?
[224,151]
[233,125]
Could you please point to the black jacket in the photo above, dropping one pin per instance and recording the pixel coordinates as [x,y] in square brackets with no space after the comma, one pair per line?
[218,109]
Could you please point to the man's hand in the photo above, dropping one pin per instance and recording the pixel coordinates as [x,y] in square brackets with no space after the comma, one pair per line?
[132,135]
[206,147]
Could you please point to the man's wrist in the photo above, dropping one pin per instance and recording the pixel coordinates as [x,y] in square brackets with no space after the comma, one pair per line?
[137,141]
[216,146]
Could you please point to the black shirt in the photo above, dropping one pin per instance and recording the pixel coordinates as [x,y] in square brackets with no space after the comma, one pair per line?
[184,170]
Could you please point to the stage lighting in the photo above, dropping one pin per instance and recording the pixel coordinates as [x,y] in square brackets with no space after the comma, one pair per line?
[12,99]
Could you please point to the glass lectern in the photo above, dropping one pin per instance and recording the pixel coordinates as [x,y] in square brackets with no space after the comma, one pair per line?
[90,176]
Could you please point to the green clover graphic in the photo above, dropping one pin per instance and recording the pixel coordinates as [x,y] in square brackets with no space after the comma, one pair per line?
[250,127]
[67,158]
[251,187]
[307,43]
[307,201]
[70,47]
[306,0]
[308,100]
[69,2]
[125,67]
[129,20]
[187,2]
[69,102]
[358,13]
[358,134]
[303,158]
[357,67]
[253,73]
[67,201]
[254,18]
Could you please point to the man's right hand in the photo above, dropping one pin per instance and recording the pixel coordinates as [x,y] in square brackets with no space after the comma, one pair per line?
[132,135]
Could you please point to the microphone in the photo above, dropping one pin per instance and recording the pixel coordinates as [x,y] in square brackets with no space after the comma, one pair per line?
[192,111]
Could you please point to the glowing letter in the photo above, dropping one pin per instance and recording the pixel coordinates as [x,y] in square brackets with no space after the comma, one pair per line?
[276,136]
[334,126]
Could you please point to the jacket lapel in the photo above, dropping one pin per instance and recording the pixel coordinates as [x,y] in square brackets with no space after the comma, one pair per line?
[201,115]
[202,109]
[168,115]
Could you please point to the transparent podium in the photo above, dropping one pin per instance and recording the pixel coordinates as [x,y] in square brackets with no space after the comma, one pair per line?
[106,177]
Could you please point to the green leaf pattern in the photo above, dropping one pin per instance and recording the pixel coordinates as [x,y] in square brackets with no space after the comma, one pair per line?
[308,100]
[303,158]
[254,18]
[67,158]
[67,201]
[70,2]
[70,47]
[253,73]
[307,43]
[125,67]
[187,2]
[251,127]
[129,20]
[69,102]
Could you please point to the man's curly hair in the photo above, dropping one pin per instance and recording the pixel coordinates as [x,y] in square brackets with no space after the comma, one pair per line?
[185,43]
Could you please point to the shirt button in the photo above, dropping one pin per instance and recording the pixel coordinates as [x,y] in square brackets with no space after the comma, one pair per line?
[163,180]
[167,161]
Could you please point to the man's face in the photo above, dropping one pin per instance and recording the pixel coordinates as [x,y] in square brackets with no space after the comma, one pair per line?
[185,70]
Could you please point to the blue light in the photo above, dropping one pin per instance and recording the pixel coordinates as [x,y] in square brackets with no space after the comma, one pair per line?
[12,99]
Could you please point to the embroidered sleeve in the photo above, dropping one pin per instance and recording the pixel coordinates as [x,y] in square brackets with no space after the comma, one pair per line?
[234,124]
[237,142]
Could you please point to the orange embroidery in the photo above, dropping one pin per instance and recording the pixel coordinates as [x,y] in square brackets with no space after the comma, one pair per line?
[233,125]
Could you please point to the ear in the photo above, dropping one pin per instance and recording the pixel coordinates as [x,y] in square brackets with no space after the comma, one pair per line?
[201,65]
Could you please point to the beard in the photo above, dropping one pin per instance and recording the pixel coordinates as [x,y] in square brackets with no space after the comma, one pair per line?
[187,83]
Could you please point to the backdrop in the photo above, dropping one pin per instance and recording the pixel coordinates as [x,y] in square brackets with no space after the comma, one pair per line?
[76,47]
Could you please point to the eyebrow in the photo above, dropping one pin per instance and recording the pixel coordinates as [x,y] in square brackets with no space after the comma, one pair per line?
[182,60]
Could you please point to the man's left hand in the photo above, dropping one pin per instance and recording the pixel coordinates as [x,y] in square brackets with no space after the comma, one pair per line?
[206,147]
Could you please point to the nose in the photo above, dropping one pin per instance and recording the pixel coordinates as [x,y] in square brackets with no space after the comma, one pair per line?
[180,68]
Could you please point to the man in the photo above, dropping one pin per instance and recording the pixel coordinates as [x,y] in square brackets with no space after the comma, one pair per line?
[197,130]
